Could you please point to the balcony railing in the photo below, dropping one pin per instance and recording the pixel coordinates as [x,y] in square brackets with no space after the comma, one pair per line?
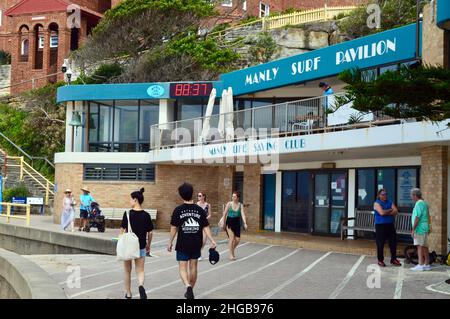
[306,116]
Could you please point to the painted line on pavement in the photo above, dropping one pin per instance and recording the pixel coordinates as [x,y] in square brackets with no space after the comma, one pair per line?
[133,278]
[299,275]
[347,278]
[400,279]
[103,263]
[120,268]
[212,269]
[247,274]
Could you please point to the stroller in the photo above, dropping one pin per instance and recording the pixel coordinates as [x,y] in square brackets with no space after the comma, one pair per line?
[96,219]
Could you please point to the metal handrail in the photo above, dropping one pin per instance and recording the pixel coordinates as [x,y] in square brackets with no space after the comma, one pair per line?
[31,158]
[23,166]
[8,215]
[283,116]
[307,116]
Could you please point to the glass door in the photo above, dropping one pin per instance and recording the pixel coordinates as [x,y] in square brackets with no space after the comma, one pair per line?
[330,201]
[269,201]
[296,208]
[321,203]
[338,201]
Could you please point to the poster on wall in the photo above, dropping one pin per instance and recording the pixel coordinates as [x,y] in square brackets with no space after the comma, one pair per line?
[406,182]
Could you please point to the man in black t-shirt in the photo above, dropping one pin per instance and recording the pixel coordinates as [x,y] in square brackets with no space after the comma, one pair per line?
[189,220]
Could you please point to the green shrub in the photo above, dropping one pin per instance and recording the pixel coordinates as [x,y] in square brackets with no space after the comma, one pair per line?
[5,58]
[19,191]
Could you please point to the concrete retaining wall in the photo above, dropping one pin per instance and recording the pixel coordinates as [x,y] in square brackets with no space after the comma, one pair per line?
[21,278]
[32,241]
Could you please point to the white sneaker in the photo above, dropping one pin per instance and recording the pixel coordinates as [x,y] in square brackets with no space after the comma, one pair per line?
[200,259]
[417,268]
[427,267]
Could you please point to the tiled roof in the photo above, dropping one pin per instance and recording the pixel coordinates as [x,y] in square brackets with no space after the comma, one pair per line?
[37,6]
[43,6]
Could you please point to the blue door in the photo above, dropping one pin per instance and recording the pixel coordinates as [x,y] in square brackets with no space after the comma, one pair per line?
[269,201]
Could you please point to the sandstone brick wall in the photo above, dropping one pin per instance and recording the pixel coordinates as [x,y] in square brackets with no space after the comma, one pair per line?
[253,196]
[434,175]
[433,39]
[162,195]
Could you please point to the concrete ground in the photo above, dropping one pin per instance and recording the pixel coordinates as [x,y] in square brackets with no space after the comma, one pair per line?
[261,271]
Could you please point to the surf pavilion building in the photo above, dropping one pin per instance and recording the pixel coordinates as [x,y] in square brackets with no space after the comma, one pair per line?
[298,169]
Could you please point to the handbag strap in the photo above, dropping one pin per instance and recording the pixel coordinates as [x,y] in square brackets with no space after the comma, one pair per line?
[130,230]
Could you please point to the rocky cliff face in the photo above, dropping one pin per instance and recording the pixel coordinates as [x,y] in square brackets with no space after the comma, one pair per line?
[290,40]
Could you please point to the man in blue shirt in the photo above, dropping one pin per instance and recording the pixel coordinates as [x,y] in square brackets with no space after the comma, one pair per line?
[85,205]
[385,211]
[327,100]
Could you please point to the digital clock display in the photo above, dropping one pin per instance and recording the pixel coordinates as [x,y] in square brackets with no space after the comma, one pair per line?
[190,89]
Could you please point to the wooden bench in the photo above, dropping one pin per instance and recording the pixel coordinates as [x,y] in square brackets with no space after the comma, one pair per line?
[365,221]
[117,213]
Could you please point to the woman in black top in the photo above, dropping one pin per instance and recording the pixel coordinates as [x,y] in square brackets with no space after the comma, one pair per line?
[142,226]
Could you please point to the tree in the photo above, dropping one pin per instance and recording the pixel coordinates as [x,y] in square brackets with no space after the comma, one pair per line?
[36,123]
[263,49]
[157,40]
[394,13]
[421,92]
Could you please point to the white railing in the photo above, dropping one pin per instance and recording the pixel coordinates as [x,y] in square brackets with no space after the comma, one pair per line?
[295,18]
[297,117]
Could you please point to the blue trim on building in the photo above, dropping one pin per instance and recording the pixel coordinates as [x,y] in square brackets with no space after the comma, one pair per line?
[443,14]
[388,47]
[127,91]
[383,48]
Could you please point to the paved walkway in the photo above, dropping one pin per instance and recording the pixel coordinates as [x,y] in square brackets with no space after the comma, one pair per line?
[265,268]
[261,271]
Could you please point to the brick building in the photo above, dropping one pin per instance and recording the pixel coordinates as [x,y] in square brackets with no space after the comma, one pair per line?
[40,34]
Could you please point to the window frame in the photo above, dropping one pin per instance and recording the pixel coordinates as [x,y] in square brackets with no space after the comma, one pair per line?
[41,42]
[22,48]
[148,175]
[266,9]
[401,209]
[52,45]
[227,3]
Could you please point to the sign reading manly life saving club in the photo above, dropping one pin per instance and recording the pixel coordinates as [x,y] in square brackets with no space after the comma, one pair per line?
[263,147]
[383,48]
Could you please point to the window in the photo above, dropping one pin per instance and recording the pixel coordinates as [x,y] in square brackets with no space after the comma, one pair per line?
[189,109]
[227,3]
[41,42]
[244,5]
[54,41]
[366,187]
[121,126]
[406,180]
[123,172]
[264,10]
[25,49]
[397,182]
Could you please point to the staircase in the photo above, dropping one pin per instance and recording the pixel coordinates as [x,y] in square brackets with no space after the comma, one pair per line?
[15,170]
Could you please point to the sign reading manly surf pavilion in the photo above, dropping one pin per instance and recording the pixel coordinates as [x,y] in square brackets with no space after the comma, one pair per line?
[387,47]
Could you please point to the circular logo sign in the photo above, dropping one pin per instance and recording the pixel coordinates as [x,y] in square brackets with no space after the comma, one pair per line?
[156,91]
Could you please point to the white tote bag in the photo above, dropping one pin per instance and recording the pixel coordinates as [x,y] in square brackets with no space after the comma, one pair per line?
[128,244]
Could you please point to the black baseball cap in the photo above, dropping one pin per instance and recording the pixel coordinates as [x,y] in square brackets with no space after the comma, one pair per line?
[213,256]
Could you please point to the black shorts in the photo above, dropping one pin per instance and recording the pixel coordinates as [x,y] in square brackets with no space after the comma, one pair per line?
[83,213]
[234,223]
